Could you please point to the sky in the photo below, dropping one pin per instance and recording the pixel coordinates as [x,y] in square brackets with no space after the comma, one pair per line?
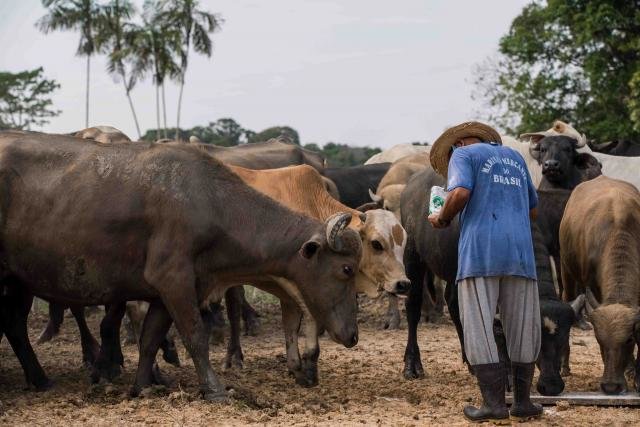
[360,72]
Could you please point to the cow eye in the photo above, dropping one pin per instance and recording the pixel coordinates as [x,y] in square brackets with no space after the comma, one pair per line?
[347,270]
[377,245]
[543,150]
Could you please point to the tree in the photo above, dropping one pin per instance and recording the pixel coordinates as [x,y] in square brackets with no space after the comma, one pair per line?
[225,132]
[567,59]
[24,99]
[111,39]
[81,15]
[275,132]
[194,26]
[154,48]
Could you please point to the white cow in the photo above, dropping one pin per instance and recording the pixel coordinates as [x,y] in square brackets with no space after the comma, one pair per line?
[396,152]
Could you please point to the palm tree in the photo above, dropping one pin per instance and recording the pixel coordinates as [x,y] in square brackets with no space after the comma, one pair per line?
[194,25]
[153,47]
[81,15]
[111,39]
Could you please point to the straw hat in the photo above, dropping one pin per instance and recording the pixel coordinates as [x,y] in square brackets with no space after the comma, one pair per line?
[439,155]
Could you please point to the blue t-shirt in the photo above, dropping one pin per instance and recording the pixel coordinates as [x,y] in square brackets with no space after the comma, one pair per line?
[495,235]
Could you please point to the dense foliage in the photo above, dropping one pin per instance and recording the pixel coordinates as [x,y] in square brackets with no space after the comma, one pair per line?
[25,99]
[577,60]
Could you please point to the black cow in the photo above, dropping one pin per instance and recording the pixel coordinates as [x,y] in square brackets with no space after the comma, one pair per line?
[165,224]
[624,148]
[563,168]
[429,252]
[355,182]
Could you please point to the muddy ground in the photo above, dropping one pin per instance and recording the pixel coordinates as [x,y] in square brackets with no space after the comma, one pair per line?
[362,385]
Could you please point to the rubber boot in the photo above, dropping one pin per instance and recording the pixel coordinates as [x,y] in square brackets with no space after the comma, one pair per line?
[491,379]
[523,408]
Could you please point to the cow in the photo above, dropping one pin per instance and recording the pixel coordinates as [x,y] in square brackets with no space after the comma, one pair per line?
[622,168]
[271,154]
[104,134]
[381,269]
[355,182]
[166,224]
[600,255]
[396,152]
[623,147]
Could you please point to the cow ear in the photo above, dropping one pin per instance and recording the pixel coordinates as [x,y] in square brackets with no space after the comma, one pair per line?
[310,247]
[585,161]
[534,150]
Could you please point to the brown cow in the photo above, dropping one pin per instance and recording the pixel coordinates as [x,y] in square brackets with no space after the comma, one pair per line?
[162,223]
[600,254]
[301,189]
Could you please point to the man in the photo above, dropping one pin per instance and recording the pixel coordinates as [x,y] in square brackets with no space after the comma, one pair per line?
[491,186]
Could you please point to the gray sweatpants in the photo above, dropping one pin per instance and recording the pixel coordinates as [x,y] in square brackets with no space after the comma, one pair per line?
[519,313]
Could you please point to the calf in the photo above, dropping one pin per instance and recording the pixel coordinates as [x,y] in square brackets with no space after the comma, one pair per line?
[600,254]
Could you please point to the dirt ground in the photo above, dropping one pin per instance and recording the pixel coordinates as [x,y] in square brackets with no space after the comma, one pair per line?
[362,385]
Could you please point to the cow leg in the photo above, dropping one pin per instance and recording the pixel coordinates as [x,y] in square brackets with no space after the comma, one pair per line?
[169,350]
[109,362]
[233,301]
[451,295]
[56,316]
[214,320]
[565,368]
[90,347]
[393,314]
[503,354]
[174,278]
[311,354]
[428,302]
[416,273]
[250,317]
[291,320]
[14,311]
[155,327]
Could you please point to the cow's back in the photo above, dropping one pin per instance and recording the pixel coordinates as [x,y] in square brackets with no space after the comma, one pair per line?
[598,215]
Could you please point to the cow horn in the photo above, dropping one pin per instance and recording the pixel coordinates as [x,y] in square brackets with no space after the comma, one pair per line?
[601,145]
[577,304]
[363,217]
[374,197]
[592,302]
[582,141]
[368,206]
[335,225]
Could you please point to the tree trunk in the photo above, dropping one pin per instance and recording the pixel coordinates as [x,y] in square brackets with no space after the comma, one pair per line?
[86,116]
[177,137]
[164,112]
[158,111]
[133,110]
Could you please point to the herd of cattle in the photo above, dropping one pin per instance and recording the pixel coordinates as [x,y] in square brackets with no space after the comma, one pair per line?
[91,218]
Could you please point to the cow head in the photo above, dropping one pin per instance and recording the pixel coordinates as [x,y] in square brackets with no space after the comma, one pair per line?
[561,163]
[557,318]
[614,326]
[381,266]
[388,198]
[328,258]
[559,128]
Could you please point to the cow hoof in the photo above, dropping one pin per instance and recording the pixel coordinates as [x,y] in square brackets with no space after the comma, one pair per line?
[105,369]
[392,324]
[583,325]
[306,379]
[217,335]
[46,335]
[171,357]
[252,327]
[413,371]
[43,385]
[233,361]
[216,397]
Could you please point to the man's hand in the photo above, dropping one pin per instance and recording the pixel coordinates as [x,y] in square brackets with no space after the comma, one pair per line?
[435,221]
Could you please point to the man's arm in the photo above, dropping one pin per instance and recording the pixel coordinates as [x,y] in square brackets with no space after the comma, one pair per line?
[456,201]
